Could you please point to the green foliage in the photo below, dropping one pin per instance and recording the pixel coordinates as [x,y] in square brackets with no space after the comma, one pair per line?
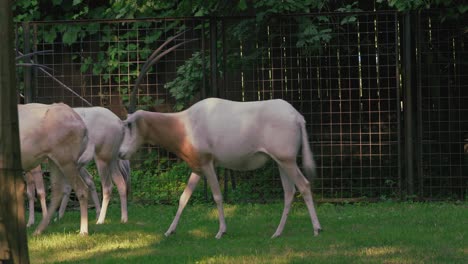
[312,35]
[453,8]
[159,181]
[262,185]
[189,80]
[312,32]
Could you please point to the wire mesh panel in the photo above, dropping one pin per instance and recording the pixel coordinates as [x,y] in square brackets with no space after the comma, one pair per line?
[341,72]
[443,88]
[97,62]
[100,60]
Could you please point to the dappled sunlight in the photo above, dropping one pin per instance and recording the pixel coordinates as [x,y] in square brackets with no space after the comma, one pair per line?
[72,247]
[277,257]
[380,251]
[242,259]
[200,233]
[284,255]
[360,238]
[229,211]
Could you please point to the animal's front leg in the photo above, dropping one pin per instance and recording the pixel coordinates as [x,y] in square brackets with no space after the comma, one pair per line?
[184,198]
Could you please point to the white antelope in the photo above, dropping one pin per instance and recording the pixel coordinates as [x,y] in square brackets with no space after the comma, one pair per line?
[58,133]
[234,135]
[106,133]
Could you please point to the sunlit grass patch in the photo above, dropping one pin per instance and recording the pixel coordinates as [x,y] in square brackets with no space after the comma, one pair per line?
[72,247]
[380,251]
[229,211]
[353,233]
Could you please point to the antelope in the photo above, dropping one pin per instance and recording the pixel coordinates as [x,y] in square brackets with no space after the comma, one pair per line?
[105,137]
[57,133]
[235,135]
[106,133]
[35,182]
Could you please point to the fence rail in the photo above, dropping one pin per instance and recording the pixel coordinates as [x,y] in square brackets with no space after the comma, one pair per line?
[342,71]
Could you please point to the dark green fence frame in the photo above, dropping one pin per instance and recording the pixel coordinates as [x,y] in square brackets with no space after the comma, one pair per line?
[383,93]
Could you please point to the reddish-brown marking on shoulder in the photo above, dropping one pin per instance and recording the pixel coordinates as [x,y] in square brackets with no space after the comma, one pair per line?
[169,132]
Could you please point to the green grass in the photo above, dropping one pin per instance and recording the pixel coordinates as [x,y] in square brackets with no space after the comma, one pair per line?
[386,232]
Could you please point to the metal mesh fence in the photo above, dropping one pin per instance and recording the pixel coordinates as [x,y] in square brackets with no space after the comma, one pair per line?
[343,77]
[99,62]
[340,70]
[443,92]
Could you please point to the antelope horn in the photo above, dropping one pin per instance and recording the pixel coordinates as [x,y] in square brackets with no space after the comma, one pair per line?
[151,57]
[145,68]
[131,107]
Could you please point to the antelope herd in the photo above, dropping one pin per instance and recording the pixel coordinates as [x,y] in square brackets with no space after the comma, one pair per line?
[213,132]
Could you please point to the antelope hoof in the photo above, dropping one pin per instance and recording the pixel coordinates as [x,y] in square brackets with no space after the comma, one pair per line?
[169,232]
[220,234]
[317,232]
[275,235]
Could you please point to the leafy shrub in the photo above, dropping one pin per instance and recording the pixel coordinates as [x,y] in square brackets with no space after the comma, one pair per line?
[189,80]
[160,181]
[157,180]
[261,185]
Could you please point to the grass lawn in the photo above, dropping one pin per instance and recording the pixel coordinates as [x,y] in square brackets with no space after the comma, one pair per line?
[386,232]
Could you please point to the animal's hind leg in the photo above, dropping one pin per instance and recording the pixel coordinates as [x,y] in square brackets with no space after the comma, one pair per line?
[104,172]
[289,190]
[66,190]
[303,185]
[57,183]
[88,179]
[31,193]
[212,179]
[121,185]
[192,183]
[72,174]
[35,186]
[41,192]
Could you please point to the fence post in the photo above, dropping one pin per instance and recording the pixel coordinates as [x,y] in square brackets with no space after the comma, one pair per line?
[27,71]
[13,240]
[419,122]
[214,56]
[408,106]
